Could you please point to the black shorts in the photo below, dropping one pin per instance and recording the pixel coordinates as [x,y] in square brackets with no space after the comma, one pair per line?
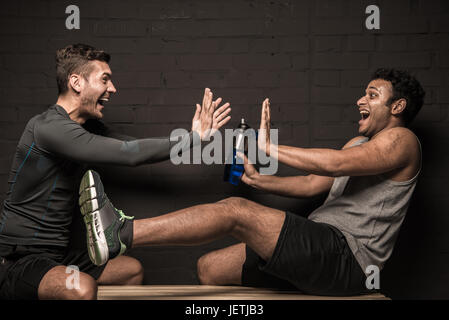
[21,274]
[309,256]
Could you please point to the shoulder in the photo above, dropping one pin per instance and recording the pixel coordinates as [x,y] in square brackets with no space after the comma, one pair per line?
[399,136]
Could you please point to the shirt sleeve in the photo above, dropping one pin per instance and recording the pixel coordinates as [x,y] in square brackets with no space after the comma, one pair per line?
[70,140]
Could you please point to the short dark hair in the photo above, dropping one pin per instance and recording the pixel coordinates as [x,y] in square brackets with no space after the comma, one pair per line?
[75,58]
[404,86]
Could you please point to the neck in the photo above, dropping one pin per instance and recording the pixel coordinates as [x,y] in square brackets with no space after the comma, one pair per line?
[394,124]
[72,106]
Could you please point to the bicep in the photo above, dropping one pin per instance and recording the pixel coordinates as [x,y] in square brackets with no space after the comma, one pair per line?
[383,154]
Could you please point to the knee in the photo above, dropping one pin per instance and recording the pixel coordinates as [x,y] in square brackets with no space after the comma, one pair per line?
[204,270]
[87,289]
[236,203]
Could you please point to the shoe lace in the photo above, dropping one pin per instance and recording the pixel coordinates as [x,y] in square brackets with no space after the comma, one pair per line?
[123,216]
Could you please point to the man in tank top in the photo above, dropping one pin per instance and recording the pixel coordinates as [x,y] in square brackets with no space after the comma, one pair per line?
[369,183]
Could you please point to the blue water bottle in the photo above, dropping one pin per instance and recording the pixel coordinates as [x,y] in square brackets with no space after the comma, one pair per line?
[234,172]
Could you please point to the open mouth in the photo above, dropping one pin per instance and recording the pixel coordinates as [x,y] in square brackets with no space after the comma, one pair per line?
[103,101]
[365,114]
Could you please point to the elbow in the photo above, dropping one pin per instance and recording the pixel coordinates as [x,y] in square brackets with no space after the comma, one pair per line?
[333,169]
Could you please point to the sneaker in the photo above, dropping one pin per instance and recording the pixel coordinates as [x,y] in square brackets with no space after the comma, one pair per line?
[108,229]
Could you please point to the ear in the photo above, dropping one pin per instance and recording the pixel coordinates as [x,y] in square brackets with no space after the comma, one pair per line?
[398,106]
[76,82]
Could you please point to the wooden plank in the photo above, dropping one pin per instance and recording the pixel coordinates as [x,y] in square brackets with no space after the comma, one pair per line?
[198,292]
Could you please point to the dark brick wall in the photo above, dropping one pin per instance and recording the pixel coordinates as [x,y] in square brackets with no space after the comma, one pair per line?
[312,58]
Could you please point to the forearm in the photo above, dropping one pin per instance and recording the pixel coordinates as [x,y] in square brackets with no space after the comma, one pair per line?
[297,186]
[313,160]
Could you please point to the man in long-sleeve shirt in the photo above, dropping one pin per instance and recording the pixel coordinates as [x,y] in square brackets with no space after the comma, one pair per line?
[55,149]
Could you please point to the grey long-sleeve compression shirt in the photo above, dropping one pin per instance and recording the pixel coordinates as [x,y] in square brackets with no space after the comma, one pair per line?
[52,155]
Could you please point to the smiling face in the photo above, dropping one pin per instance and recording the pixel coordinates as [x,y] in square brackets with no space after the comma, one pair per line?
[96,90]
[374,109]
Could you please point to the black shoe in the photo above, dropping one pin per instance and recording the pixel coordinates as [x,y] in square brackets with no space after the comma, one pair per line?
[104,223]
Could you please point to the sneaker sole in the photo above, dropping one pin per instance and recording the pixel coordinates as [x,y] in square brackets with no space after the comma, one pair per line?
[96,241]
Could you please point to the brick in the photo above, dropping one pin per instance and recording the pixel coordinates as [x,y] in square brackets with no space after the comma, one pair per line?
[328,114]
[361,43]
[335,132]
[286,27]
[11,132]
[236,78]
[403,25]
[264,45]
[176,79]
[234,28]
[293,79]
[9,9]
[401,60]
[292,113]
[395,8]
[171,114]
[137,79]
[242,96]
[427,42]
[246,10]
[294,44]
[8,114]
[326,78]
[300,136]
[144,63]
[208,11]
[130,97]
[443,95]
[392,43]
[289,95]
[337,26]
[17,26]
[300,62]
[261,61]
[236,45]
[117,114]
[120,28]
[207,80]
[443,59]
[177,28]
[333,8]
[340,61]
[206,46]
[433,7]
[429,113]
[328,44]
[205,62]
[120,10]
[34,9]
[335,96]
[355,78]
[10,44]
[299,8]
[263,79]
[351,114]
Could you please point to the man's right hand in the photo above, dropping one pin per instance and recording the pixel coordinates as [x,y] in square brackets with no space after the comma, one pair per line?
[208,118]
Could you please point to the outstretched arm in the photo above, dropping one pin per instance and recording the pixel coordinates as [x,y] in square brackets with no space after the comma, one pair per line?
[389,150]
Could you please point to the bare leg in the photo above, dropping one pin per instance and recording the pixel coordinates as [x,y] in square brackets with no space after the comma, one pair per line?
[122,270]
[53,286]
[254,224]
[222,266]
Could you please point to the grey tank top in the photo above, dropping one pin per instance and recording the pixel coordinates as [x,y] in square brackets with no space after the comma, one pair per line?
[369,211]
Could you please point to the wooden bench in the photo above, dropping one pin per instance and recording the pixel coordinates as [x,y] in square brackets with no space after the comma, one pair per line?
[199,292]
